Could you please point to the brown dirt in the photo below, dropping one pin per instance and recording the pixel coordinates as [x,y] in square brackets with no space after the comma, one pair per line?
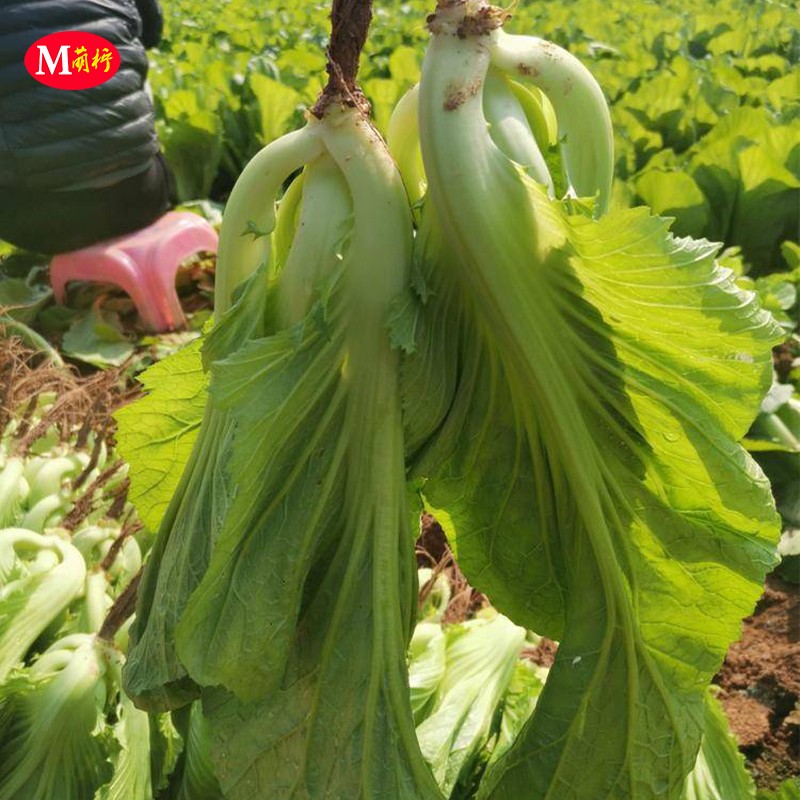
[433,551]
[760,683]
[544,654]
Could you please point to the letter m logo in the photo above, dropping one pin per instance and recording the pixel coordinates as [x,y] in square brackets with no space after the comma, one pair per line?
[45,58]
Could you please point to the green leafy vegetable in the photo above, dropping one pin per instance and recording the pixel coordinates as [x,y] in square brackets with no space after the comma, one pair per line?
[480,658]
[131,762]
[527,682]
[23,298]
[96,338]
[39,577]
[51,722]
[256,587]
[600,374]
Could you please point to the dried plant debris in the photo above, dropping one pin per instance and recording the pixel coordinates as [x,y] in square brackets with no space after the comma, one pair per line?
[57,461]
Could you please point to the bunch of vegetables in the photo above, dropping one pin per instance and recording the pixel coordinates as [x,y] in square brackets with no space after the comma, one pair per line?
[70,548]
[563,387]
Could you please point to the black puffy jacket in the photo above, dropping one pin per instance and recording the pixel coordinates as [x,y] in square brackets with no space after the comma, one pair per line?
[56,139]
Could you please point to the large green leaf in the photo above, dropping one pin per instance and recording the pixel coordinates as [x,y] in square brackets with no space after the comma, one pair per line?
[155,434]
[588,469]
[197,501]
[316,704]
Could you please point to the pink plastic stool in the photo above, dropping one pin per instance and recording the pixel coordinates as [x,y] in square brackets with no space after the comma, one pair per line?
[143,264]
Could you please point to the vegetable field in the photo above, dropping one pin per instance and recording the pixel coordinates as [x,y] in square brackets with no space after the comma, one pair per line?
[475,473]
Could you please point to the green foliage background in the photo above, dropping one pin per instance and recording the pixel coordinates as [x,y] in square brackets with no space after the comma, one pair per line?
[704,97]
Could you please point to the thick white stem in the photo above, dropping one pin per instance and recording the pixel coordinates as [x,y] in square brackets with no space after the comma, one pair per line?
[584,121]
[252,204]
[322,225]
[402,139]
[510,131]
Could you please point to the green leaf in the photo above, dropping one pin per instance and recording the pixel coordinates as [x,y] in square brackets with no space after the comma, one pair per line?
[156,433]
[297,553]
[154,675]
[266,386]
[404,65]
[720,772]
[383,94]
[589,469]
[675,194]
[191,136]
[277,105]
[131,763]
[175,486]
[22,299]
[791,254]
[746,167]
[97,338]
[166,751]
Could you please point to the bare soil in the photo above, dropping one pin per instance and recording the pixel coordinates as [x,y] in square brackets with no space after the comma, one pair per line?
[760,685]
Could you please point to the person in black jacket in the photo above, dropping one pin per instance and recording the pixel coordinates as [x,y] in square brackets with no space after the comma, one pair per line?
[80,166]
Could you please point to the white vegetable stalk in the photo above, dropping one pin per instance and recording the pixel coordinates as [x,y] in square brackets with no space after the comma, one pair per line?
[49,748]
[403,140]
[250,212]
[323,220]
[516,119]
[510,129]
[584,121]
[39,577]
[377,270]
[468,42]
